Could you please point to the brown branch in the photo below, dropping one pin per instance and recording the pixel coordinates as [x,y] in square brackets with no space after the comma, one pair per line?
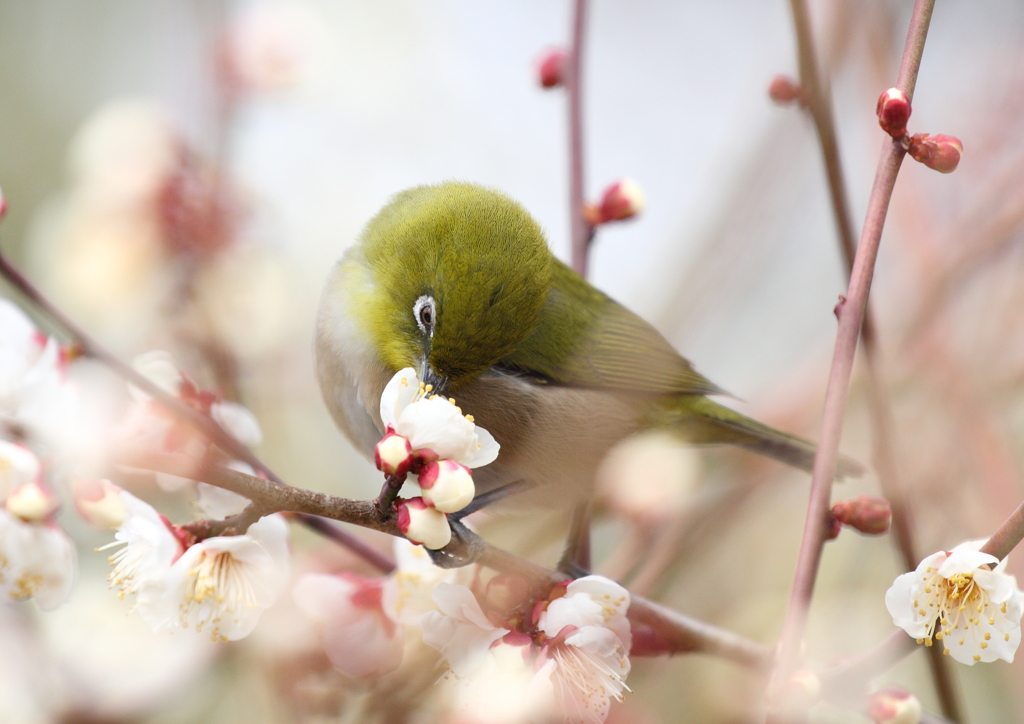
[851,316]
[582,230]
[677,633]
[818,101]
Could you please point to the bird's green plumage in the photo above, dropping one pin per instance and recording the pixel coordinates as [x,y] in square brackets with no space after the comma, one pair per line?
[505,304]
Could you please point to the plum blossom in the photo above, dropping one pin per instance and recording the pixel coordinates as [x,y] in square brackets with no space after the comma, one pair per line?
[431,422]
[973,610]
[408,591]
[37,559]
[220,586]
[575,660]
[359,636]
[35,395]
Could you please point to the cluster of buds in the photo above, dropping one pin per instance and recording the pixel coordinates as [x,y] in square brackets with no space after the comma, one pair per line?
[867,514]
[428,437]
[623,200]
[939,152]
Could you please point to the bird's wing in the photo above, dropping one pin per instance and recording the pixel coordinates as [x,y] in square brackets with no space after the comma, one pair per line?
[586,339]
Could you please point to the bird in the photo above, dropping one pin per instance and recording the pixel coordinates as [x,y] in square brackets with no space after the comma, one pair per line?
[457,281]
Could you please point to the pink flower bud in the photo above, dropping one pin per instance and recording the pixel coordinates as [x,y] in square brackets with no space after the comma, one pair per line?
[939,152]
[3,204]
[99,503]
[622,200]
[551,68]
[447,486]
[833,528]
[32,502]
[422,524]
[894,705]
[784,90]
[393,455]
[893,112]
[802,691]
[868,514]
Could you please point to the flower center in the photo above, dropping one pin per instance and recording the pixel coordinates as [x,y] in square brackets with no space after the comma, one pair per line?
[217,588]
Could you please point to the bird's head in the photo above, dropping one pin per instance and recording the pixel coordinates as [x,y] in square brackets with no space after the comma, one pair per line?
[458,276]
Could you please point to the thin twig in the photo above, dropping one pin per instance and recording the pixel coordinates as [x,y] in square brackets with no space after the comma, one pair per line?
[582,231]
[851,316]
[818,100]
[203,423]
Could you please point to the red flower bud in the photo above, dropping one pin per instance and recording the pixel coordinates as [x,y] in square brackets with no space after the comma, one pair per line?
[868,514]
[551,68]
[622,200]
[893,112]
[833,528]
[783,90]
[893,705]
[939,152]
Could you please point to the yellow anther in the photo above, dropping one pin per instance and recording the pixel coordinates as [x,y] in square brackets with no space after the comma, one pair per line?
[983,645]
[945,652]
[988,636]
[961,642]
[977,657]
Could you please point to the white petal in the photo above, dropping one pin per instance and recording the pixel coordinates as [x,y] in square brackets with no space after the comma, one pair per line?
[37,561]
[438,425]
[965,561]
[899,600]
[159,368]
[1000,586]
[460,603]
[487,452]
[239,421]
[363,647]
[217,503]
[18,465]
[398,393]
[596,640]
[322,595]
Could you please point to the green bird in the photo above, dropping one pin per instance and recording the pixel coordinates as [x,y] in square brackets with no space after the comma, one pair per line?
[458,282]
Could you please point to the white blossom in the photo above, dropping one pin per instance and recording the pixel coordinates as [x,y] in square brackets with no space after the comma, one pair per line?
[408,592]
[18,466]
[37,561]
[432,422]
[359,636]
[973,610]
[576,662]
[220,585]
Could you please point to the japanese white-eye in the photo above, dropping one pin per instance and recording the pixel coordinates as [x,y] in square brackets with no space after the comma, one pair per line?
[458,282]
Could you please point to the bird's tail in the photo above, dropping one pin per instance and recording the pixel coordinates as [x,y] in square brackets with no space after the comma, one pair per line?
[704,421]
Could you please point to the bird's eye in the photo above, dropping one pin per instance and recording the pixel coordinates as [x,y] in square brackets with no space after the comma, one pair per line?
[424,311]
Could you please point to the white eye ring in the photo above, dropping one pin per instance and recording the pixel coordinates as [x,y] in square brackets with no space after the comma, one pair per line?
[424,311]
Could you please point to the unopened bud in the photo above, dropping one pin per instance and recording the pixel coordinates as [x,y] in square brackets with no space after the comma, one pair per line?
[784,90]
[393,455]
[893,112]
[802,691]
[939,152]
[18,466]
[868,514]
[622,200]
[423,525]
[99,503]
[551,68]
[894,705]
[32,502]
[447,486]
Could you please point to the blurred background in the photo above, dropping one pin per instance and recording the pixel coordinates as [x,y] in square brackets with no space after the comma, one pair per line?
[183,175]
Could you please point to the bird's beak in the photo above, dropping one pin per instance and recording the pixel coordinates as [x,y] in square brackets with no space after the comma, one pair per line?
[439,384]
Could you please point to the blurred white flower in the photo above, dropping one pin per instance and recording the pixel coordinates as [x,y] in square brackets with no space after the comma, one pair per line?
[267,45]
[239,421]
[954,595]
[37,561]
[649,477]
[18,465]
[220,586]
[434,423]
[360,638]
[507,688]
[577,662]
[409,591]
[159,368]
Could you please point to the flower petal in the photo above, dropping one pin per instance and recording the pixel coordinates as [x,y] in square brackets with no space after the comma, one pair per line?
[398,393]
